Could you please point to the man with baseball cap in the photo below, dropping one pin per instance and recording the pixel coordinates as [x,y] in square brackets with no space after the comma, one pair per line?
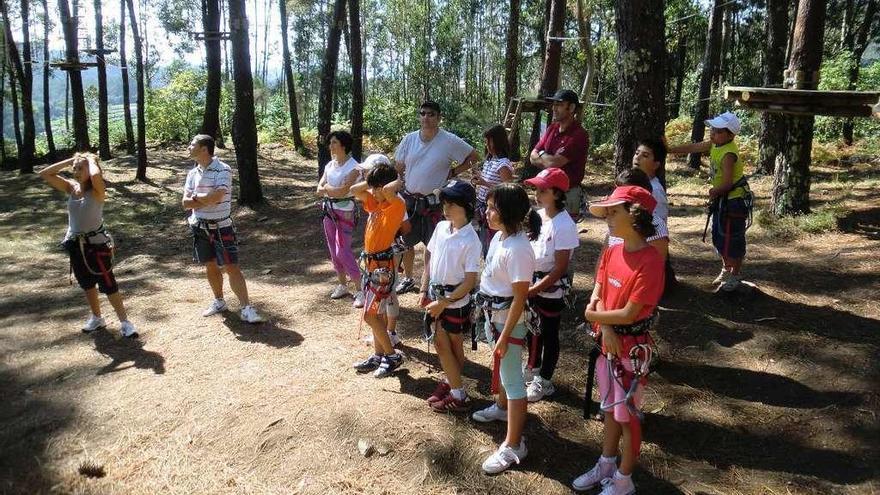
[729,195]
[564,145]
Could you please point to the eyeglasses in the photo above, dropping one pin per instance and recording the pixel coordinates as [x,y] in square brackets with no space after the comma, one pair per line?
[428,114]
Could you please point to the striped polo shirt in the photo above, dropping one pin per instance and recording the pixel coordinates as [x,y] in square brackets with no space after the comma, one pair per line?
[217,175]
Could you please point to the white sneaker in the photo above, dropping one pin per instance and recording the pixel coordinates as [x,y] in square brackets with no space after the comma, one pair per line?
[731,284]
[219,305]
[128,330]
[722,277]
[358,299]
[250,315]
[339,292]
[602,470]
[539,388]
[504,457]
[528,373]
[491,413]
[617,485]
[94,323]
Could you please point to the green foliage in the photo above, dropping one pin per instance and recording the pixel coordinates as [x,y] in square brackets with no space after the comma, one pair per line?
[174,112]
[823,220]
[834,75]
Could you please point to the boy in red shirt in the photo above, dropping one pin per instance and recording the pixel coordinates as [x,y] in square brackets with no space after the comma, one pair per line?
[629,283]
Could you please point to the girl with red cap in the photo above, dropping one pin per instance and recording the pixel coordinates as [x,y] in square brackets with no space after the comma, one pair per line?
[629,283]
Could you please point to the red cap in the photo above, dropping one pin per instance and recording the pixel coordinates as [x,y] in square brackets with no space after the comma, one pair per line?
[624,194]
[550,177]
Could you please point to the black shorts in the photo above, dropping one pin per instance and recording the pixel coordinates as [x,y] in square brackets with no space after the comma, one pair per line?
[456,320]
[422,218]
[220,244]
[94,267]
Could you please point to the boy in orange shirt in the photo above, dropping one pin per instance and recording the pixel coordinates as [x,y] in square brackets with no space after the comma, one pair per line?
[379,196]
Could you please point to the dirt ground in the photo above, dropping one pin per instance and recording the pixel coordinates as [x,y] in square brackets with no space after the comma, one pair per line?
[772,392]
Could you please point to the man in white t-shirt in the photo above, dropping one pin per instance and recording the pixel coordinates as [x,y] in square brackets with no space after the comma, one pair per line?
[424,159]
[208,193]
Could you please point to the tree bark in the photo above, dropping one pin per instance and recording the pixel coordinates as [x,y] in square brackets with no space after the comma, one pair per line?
[16,117]
[791,184]
[857,45]
[641,53]
[47,109]
[78,102]
[357,87]
[126,97]
[328,77]
[680,60]
[511,66]
[3,110]
[291,87]
[214,67]
[22,71]
[711,56]
[772,136]
[584,20]
[141,95]
[244,126]
[554,12]
[103,124]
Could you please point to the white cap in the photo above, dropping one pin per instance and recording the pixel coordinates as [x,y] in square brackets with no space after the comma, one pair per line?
[373,160]
[727,121]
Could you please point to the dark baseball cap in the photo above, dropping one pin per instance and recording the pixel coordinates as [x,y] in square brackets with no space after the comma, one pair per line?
[565,95]
[459,189]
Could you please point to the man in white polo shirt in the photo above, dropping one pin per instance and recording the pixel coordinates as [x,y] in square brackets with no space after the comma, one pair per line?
[208,193]
[424,159]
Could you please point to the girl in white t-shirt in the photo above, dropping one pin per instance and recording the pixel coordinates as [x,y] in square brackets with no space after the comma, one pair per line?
[340,173]
[504,286]
[496,169]
[452,262]
[553,251]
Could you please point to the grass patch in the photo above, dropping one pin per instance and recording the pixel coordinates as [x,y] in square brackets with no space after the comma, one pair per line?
[821,221]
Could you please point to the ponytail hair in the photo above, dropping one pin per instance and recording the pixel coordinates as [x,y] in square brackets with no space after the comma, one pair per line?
[533,224]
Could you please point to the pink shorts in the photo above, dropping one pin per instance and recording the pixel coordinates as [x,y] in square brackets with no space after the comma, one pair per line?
[611,391]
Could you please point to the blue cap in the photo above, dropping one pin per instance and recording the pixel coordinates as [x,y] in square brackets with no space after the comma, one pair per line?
[459,189]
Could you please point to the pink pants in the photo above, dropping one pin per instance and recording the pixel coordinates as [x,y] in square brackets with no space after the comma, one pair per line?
[338,235]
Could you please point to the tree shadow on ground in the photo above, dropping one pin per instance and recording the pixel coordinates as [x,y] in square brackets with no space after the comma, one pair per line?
[122,351]
[753,386]
[727,448]
[29,426]
[271,332]
[865,223]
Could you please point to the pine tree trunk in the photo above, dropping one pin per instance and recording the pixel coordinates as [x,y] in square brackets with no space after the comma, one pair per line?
[357,85]
[103,124]
[77,99]
[772,135]
[511,66]
[214,67]
[680,60]
[16,117]
[554,15]
[23,73]
[328,78]
[857,43]
[711,57]
[3,110]
[126,97]
[244,124]
[298,143]
[141,94]
[791,184]
[47,109]
[641,54]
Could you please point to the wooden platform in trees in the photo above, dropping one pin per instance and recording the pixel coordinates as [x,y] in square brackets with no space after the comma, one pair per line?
[210,35]
[63,65]
[806,102]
